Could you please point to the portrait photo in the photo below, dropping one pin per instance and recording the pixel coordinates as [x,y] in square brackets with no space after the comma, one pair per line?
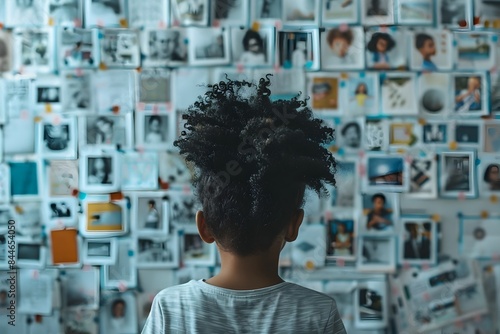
[77,93]
[350,135]
[398,94]
[118,313]
[99,251]
[342,48]
[78,48]
[380,212]
[157,252]
[377,12]
[62,177]
[385,48]
[187,12]
[324,90]
[431,50]
[469,94]
[386,173]
[104,13]
[209,46]
[423,178]
[376,253]
[6,51]
[65,12]
[341,239]
[298,49]
[153,130]
[433,89]
[363,94]
[457,174]
[418,241]
[103,219]
[301,12]
[120,48]
[489,179]
[58,139]
[475,51]
[106,131]
[99,171]
[152,213]
[81,288]
[339,11]
[154,88]
[164,47]
[253,48]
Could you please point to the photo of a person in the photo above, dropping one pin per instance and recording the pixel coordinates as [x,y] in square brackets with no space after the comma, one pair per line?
[340,238]
[56,137]
[377,7]
[99,171]
[379,217]
[103,131]
[118,313]
[351,135]
[253,44]
[418,241]
[153,131]
[48,94]
[379,45]
[361,94]
[153,218]
[324,93]
[166,45]
[467,94]
[59,210]
[492,176]
[424,43]
[191,11]
[339,41]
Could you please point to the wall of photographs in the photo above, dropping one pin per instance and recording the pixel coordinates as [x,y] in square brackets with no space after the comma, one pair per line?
[91,97]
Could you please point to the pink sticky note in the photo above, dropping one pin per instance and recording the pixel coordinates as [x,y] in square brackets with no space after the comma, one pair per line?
[362,170]
[155,109]
[78,72]
[122,286]
[77,23]
[141,106]
[328,215]
[56,120]
[161,24]
[340,263]
[343,27]
[240,67]
[35,274]
[461,196]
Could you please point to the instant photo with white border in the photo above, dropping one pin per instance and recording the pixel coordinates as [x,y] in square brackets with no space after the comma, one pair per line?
[381,220]
[158,251]
[139,170]
[475,50]
[230,13]
[153,130]
[298,49]
[253,48]
[418,241]
[60,212]
[457,174]
[99,14]
[106,132]
[78,48]
[185,13]
[195,251]
[397,93]
[376,253]
[151,213]
[372,16]
[209,46]
[123,273]
[30,253]
[489,177]
[390,175]
[432,91]
[99,171]
[423,177]
[102,218]
[342,48]
[164,47]
[57,137]
[371,305]
[34,50]
[99,251]
[81,288]
[120,48]
[431,49]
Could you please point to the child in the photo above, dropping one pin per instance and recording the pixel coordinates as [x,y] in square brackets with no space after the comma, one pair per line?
[254,49]
[470,98]
[361,94]
[380,44]
[427,48]
[378,217]
[153,217]
[339,42]
[154,135]
[243,145]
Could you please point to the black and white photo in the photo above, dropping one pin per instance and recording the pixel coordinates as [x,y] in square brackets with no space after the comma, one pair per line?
[104,13]
[350,135]
[164,47]
[65,12]
[25,13]
[6,51]
[183,207]
[458,174]
[106,131]
[454,13]
[118,313]
[122,273]
[120,48]
[251,47]
[157,252]
[81,288]
[77,93]
[99,251]
[34,48]
[230,12]
[190,12]
[151,213]
[99,171]
[78,48]
[57,137]
[298,49]
[435,133]
[60,211]
[266,10]
[209,46]
[377,12]
[423,178]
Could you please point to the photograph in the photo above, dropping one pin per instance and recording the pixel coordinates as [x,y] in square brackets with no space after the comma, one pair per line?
[435,133]
[6,51]
[99,171]
[457,174]
[78,48]
[418,241]
[154,89]
[60,212]
[209,46]
[431,50]
[34,48]
[489,179]
[118,314]
[324,91]
[454,13]
[47,93]
[298,49]
[183,207]
[253,47]
[164,47]
[470,93]
[433,89]
[104,13]
[24,179]
[28,217]
[339,12]
[190,13]
[386,173]
[29,253]
[376,134]
[114,91]
[345,193]
[401,134]
[416,12]
[139,170]
[380,213]
[489,12]
[341,239]
[230,12]
[173,168]
[266,10]
[17,95]
[106,131]
[77,93]
[123,273]
[151,213]
[25,13]
[57,138]
[62,177]
[301,12]
[148,13]
[153,130]
[65,12]
[467,134]
[81,288]
[377,12]
[103,219]
[491,135]
[99,251]
[423,178]
[158,252]
[350,134]
[5,179]
[38,293]
[120,48]
[342,48]
[195,251]
[80,320]
[398,94]
[376,254]
[385,48]
[480,238]
[362,94]
[475,51]
[371,305]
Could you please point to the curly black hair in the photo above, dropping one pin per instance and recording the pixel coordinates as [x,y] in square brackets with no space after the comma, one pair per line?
[372,44]
[253,160]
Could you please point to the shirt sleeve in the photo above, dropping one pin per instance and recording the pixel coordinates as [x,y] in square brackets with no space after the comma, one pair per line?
[155,324]
[335,324]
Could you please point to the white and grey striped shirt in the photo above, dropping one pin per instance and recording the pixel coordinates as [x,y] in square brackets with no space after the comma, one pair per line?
[198,307]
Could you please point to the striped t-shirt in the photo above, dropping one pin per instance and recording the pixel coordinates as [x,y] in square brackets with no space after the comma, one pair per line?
[198,307]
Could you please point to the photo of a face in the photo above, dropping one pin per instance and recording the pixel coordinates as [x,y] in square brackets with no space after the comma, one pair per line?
[167,46]
[435,133]
[104,217]
[100,170]
[383,171]
[106,130]
[342,48]
[383,50]
[457,176]
[417,241]
[340,238]
[378,213]
[492,177]
[468,94]
[325,93]
[491,138]
[362,94]
[251,47]
[77,48]
[431,50]
[118,307]
[156,129]
[351,135]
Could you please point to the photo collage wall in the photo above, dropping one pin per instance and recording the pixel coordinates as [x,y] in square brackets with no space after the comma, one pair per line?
[92,94]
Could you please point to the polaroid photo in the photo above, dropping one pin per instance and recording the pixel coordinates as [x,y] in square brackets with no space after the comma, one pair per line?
[28,218]
[380,213]
[5,186]
[151,212]
[376,253]
[208,46]
[301,13]
[457,174]
[66,13]
[78,48]
[467,134]
[106,132]
[154,87]
[183,207]
[149,13]
[195,251]
[420,12]
[376,134]
[25,13]
[34,50]
[80,320]
[488,12]
[230,13]
[25,180]
[489,177]
[60,211]
[454,13]
[153,130]
[57,137]
[36,291]
[266,11]
[99,13]
[164,47]
[190,13]
[342,48]
[371,305]
[402,134]
[123,273]
[120,48]
[99,171]
[77,93]
[475,50]
[101,219]
[285,83]
[345,194]
[418,241]
[174,169]
[118,313]
[423,178]
[386,173]
[431,50]
[362,94]
[6,56]
[62,178]
[99,251]
[432,91]
[479,238]
[491,137]
[341,239]
[377,12]
[350,134]
[114,91]
[385,48]
[335,12]
[30,253]
[81,288]
[157,252]
[47,93]
[398,94]
[253,48]
[298,49]
[324,88]
[139,170]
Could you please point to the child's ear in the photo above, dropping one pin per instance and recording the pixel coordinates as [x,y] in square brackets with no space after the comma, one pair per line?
[203,231]
[293,228]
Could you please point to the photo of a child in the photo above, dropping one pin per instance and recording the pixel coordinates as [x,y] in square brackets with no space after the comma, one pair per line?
[324,93]
[424,43]
[467,94]
[342,48]
[362,94]
[340,237]
[379,45]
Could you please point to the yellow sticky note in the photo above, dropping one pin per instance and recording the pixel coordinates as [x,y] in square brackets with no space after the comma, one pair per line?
[123,23]
[453,145]
[256,26]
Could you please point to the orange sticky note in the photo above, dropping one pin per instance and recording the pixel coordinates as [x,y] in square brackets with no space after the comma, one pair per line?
[123,23]
[64,246]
